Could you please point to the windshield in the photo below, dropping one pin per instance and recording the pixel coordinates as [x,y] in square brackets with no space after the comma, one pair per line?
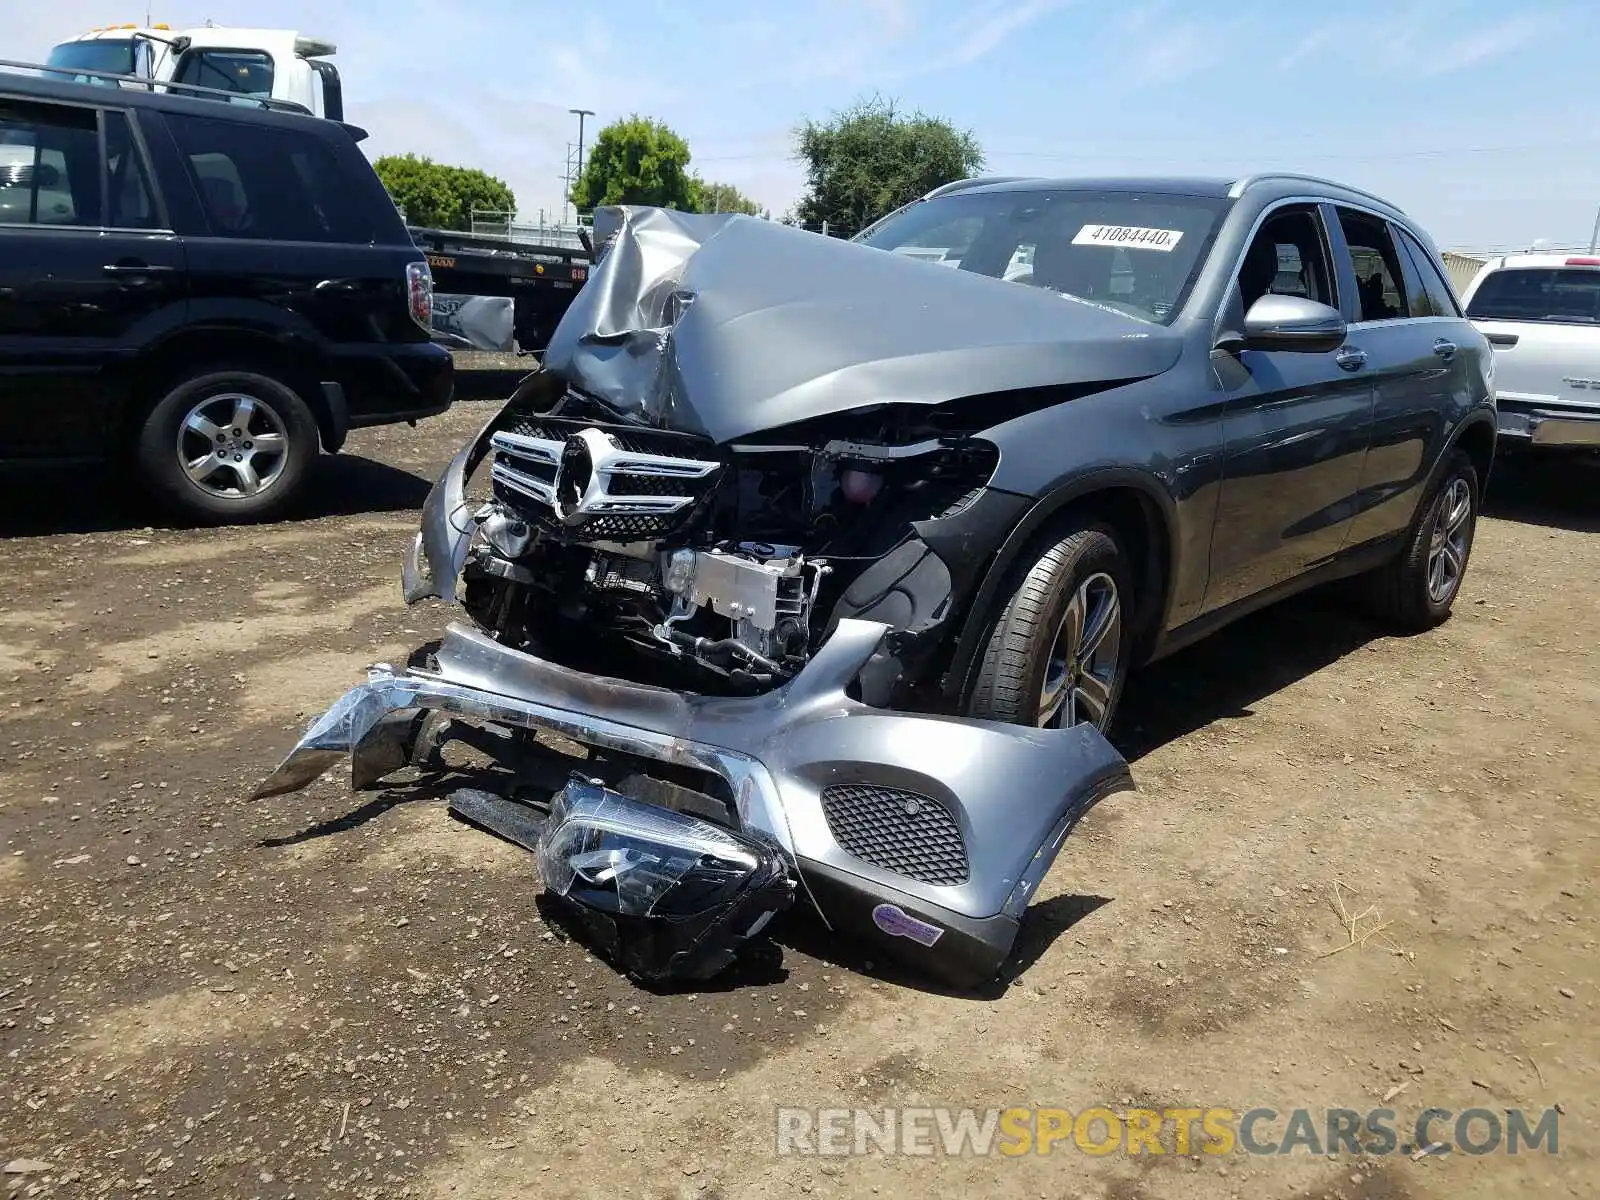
[103,54]
[1556,294]
[1135,252]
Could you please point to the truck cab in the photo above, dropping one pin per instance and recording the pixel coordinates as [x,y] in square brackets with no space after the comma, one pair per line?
[137,50]
[277,64]
[257,64]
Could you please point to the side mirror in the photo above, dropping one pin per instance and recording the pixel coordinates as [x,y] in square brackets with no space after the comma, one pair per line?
[1293,323]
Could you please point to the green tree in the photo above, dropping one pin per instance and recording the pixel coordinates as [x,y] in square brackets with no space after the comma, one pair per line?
[440,196]
[708,196]
[636,161]
[870,159]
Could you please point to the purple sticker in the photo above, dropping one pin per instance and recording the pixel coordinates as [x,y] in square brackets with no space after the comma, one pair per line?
[896,922]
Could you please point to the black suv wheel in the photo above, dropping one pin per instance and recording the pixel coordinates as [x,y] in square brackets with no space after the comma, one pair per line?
[1057,654]
[227,446]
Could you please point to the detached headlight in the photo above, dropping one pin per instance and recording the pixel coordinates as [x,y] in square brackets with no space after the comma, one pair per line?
[664,895]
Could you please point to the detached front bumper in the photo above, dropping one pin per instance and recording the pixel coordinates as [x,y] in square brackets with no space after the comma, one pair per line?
[927,834]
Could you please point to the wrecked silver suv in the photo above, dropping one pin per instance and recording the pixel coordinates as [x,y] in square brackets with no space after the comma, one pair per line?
[835,561]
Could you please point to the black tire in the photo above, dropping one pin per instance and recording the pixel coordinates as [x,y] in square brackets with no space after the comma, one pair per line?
[1010,681]
[277,411]
[1399,593]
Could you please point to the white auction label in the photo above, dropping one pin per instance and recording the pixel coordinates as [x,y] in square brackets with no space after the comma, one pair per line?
[1134,237]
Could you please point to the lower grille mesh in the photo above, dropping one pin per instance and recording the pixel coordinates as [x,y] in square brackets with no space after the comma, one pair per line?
[901,831]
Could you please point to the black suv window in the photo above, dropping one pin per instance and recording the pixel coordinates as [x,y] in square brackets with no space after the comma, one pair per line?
[132,205]
[1568,295]
[1430,294]
[49,165]
[1288,257]
[1379,295]
[256,181]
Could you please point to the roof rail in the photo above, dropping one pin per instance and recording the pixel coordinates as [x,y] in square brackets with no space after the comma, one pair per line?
[961,185]
[1239,186]
[159,85]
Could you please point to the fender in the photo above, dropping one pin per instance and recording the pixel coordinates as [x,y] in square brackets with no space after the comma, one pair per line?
[1163,560]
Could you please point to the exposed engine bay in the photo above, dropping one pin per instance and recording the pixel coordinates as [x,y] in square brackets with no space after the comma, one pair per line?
[720,566]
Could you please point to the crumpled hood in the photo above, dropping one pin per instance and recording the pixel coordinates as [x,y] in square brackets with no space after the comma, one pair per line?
[727,326]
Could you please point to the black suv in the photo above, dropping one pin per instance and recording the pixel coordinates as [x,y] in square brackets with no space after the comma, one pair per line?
[208,290]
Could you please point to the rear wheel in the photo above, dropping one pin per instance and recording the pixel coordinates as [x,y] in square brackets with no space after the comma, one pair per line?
[1415,592]
[1057,654]
[227,446]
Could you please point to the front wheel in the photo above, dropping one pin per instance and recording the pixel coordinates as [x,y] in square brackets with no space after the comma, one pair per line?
[1415,592]
[1057,655]
[224,446]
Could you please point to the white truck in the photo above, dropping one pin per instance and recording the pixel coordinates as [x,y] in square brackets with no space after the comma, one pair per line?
[276,64]
[1541,313]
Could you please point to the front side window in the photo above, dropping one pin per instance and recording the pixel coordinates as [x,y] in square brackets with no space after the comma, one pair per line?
[1559,295]
[248,72]
[1288,257]
[49,165]
[1379,295]
[1135,252]
[261,182]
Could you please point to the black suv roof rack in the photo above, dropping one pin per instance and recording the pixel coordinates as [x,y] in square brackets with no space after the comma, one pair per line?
[159,85]
[1248,181]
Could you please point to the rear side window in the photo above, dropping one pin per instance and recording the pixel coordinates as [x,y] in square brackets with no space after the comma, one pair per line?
[275,184]
[1562,295]
[1379,294]
[1430,293]
[49,165]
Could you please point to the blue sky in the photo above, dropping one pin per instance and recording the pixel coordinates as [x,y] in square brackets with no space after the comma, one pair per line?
[1478,118]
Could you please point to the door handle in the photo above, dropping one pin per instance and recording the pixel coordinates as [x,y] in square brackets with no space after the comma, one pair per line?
[1502,339]
[1351,359]
[1444,348]
[137,268]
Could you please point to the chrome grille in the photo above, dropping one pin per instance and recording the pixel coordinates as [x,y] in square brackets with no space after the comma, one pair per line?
[901,831]
[599,483]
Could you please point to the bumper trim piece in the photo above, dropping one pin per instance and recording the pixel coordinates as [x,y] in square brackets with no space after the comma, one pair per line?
[1551,428]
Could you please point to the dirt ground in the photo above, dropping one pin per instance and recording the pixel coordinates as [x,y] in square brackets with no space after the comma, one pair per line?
[338,994]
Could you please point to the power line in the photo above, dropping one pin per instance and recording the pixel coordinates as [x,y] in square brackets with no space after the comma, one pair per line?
[1096,151]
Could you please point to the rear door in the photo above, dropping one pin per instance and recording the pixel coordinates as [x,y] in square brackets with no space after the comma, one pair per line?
[1544,325]
[89,274]
[282,235]
[1295,423]
[1432,364]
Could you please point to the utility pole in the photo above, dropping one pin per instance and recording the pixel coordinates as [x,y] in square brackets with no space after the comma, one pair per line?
[580,113]
[1594,236]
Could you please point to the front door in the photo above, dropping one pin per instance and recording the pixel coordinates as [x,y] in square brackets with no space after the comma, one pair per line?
[87,275]
[1295,424]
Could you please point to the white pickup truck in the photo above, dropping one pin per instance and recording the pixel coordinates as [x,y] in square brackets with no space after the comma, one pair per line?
[1541,313]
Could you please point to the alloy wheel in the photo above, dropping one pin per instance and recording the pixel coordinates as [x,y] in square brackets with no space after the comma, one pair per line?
[233,445]
[1085,654]
[1449,541]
